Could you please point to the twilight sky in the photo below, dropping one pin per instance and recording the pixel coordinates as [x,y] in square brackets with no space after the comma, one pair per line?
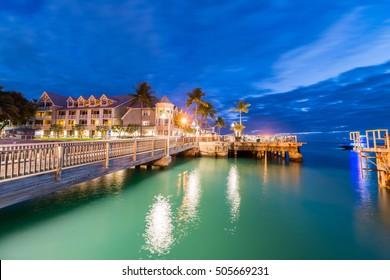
[319,68]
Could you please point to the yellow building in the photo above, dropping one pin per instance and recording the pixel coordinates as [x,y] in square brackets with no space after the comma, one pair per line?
[88,112]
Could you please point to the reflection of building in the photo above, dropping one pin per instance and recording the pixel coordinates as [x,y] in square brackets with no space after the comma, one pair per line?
[70,111]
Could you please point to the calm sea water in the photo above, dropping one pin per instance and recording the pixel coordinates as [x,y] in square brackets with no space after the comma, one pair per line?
[208,208]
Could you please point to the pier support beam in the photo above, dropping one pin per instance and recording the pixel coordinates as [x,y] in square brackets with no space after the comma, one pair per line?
[295,155]
[383,166]
[163,162]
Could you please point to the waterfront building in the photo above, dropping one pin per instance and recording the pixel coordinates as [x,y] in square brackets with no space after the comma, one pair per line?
[157,120]
[90,112]
[96,111]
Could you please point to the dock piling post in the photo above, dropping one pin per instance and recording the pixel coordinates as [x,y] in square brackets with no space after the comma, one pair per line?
[107,155]
[60,161]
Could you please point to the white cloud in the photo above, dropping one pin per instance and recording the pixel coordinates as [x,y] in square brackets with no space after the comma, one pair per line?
[352,42]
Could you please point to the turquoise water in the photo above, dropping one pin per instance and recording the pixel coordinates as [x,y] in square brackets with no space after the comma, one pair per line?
[209,208]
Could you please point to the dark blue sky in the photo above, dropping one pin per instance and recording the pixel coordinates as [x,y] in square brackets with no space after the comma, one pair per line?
[319,68]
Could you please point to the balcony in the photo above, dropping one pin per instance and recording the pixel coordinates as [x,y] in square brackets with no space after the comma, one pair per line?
[83,117]
[45,108]
[107,116]
[72,117]
[95,116]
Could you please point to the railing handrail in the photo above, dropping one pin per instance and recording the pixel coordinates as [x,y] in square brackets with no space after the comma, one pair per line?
[19,160]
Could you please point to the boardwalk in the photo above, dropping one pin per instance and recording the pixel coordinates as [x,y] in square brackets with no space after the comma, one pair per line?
[32,170]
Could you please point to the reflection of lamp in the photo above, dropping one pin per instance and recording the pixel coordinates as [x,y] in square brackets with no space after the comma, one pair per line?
[159,227]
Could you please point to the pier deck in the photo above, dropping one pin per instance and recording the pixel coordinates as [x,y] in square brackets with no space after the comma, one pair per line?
[374,153]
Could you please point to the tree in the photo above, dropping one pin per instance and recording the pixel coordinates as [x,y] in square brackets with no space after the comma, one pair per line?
[79,128]
[14,108]
[144,97]
[238,128]
[207,111]
[118,129]
[132,128]
[56,129]
[220,122]
[103,129]
[241,107]
[195,97]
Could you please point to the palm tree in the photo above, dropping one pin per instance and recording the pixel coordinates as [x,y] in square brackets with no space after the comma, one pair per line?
[207,111]
[241,107]
[220,122]
[195,97]
[144,97]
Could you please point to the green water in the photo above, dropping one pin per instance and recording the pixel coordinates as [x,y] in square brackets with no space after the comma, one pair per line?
[208,208]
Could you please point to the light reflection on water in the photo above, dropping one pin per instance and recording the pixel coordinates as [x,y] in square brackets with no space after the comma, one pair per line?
[164,225]
[188,211]
[233,193]
[212,209]
[159,227]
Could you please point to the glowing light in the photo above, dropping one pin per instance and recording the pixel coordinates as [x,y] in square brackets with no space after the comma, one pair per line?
[163,115]
[233,194]
[159,228]
[192,194]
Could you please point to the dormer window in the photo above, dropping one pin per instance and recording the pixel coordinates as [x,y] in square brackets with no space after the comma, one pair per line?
[70,103]
[103,100]
[92,101]
[81,102]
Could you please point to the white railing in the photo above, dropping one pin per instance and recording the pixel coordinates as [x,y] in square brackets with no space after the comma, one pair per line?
[22,160]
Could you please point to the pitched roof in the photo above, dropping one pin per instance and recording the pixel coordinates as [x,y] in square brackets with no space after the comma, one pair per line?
[61,101]
[120,99]
[57,99]
[165,99]
[138,104]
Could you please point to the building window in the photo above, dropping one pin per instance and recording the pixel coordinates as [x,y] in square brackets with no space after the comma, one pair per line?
[70,103]
[145,123]
[145,112]
[83,122]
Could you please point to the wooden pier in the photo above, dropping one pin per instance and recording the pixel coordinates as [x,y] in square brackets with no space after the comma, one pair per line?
[374,153]
[31,170]
[259,147]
